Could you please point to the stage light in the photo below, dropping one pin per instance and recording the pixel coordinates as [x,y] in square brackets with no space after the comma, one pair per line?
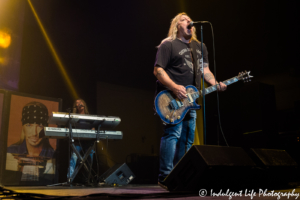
[2,60]
[5,39]
[52,49]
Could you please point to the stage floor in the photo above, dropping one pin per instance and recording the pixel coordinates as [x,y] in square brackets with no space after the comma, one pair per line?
[138,192]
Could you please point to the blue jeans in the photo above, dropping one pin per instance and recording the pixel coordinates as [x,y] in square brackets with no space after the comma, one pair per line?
[73,160]
[172,145]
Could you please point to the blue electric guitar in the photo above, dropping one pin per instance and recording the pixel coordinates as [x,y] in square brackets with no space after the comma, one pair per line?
[172,110]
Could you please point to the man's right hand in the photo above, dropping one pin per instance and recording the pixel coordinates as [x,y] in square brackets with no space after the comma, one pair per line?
[163,77]
[179,91]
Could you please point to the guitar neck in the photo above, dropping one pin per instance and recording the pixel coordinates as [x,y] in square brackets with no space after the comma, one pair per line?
[214,87]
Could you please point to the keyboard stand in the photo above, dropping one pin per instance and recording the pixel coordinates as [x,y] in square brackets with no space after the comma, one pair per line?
[83,160]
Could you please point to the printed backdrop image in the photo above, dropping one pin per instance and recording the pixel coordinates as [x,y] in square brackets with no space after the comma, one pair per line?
[1,108]
[30,157]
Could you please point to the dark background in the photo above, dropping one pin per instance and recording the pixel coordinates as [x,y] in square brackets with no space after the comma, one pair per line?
[115,42]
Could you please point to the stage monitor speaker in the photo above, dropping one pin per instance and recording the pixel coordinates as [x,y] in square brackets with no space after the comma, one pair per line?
[208,167]
[277,167]
[120,174]
[274,158]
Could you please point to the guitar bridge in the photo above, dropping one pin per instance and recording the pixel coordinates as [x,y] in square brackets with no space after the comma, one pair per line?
[179,103]
[190,98]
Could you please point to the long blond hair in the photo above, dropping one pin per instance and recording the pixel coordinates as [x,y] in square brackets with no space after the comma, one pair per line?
[86,110]
[172,35]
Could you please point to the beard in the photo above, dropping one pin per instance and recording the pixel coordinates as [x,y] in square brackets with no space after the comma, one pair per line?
[187,36]
[186,33]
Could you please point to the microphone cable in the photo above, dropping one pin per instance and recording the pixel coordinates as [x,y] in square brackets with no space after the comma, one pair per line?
[215,74]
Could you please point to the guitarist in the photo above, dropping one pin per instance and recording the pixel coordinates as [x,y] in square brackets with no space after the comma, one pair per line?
[174,69]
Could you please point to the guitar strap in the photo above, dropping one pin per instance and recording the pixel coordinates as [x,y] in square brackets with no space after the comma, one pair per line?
[197,83]
[197,77]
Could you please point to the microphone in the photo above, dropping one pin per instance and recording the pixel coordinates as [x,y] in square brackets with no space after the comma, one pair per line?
[79,106]
[197,22]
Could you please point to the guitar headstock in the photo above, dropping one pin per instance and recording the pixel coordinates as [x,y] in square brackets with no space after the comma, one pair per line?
[245,76]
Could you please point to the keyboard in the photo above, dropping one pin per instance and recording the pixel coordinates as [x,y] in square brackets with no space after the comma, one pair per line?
[62,118]
[60,133]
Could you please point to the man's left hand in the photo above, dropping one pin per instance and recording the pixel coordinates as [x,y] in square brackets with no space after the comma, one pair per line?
[222,87]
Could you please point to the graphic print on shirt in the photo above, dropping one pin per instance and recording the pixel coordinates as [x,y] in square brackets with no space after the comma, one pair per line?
[199,61]
[190,64]
[186,52]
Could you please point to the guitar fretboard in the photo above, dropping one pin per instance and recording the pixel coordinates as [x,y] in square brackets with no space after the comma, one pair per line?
[214,87]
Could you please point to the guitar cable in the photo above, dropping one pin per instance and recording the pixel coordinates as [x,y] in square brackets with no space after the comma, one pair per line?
[215,74]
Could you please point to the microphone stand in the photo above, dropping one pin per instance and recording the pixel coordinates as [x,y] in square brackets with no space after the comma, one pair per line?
[82,159]
[203,87]
[71,140]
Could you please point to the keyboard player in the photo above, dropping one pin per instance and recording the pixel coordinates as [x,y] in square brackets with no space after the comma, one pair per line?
[82,146]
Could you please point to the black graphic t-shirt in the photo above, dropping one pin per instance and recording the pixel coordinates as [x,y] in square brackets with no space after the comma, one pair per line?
[175,57]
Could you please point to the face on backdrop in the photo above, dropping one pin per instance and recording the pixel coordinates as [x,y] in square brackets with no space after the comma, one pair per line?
[31,133]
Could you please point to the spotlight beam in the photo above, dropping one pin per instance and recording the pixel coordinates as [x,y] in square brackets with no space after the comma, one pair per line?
[52,49]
